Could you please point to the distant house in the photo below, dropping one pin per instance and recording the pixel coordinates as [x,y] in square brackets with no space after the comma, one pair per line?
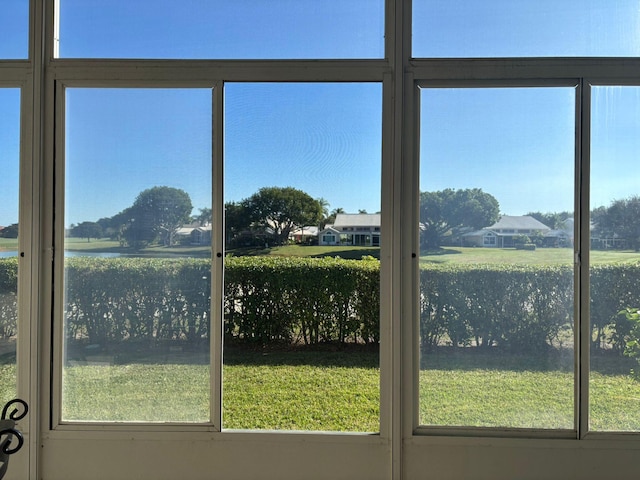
[359,229]
[501,234]
[304,234]
[194,234]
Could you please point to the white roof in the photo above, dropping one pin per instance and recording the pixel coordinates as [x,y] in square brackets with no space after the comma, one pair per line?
[357,220]
[310,230]
[522,222]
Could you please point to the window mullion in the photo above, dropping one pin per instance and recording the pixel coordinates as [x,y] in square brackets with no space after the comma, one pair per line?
[217,273]
[583,327]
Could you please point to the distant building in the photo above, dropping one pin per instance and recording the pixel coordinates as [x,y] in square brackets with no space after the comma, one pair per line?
[194,234]
[501,234]
[304,234]
[358,229]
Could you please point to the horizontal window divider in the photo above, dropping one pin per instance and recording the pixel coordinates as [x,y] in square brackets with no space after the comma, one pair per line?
[602,442]
[232,71]
[180,432]
[14,76]
[499,83]
[490,432]
[524,68]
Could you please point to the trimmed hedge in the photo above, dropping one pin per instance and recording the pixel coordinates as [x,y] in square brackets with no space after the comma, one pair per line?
[309,300]
[519,307]
[266,300]
[8,297]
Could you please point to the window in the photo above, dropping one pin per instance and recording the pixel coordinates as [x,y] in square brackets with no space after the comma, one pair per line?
[615,239]
[138,178]
[244,29]
[14,25]
[284,143]
[9,163]
[495,323]
[454,341]
[500,28]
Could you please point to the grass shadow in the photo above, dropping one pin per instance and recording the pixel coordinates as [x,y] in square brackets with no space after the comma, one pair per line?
[494,358]
[439,251]
[321,355]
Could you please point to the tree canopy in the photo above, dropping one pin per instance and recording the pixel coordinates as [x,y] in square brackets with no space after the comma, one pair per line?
[444,211]
[87,230]
[10,231]
[280,209]
[622,219]
[156,214]
[553,220]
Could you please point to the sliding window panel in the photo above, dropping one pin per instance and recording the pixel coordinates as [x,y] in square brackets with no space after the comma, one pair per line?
[229,29]
[496,281]
[527,28]
[614,382]
[9,191]
[137,255]
[14,28]
[302,227]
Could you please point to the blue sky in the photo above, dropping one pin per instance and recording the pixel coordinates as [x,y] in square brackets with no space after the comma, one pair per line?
[14,18]
[531,28]
[9,154]
[516,144]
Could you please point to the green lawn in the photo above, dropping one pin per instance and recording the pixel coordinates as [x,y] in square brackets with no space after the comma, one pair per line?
[110,246]
[8,244]
[468,255]
[339,391]
[540,256]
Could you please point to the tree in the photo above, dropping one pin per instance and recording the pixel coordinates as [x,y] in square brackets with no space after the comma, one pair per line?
[331,218]
[621,219]
[204,217]
[555,220]
[236,220]
[87,230]
[281,209]
[156,214]
[10,231]
[444,211]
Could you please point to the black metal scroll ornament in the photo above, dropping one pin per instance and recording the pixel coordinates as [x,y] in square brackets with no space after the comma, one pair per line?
[13,411]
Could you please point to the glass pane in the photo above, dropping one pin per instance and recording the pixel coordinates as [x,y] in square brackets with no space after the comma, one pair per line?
[137,255]
[531,28]
[9,182]
[496,276]
[14,28]
[247,29]
[614,385]
[302,201]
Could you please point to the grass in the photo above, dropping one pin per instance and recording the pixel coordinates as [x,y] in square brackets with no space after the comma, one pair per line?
[467,255]
[331,391]
[540,256]
[348,252]
[8,244]
[111,246]
[339,391]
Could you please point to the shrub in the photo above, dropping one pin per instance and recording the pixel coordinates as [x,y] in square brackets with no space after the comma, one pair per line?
[8,297]
[518,307]
[313,300]
[632,344]
[266,299]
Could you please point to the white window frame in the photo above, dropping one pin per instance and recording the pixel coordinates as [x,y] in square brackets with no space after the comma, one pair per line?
[402,449]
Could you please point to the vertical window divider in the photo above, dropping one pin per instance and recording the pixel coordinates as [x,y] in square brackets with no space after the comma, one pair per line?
[582,249]
[57,327]
[217,261]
